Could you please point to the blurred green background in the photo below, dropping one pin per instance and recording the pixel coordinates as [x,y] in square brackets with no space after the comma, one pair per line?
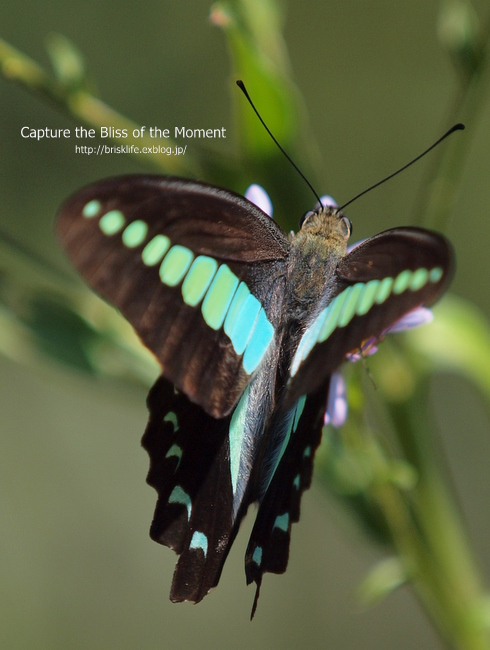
[77,567]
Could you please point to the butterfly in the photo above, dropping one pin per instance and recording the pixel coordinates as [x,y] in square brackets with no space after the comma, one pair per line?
[248,324]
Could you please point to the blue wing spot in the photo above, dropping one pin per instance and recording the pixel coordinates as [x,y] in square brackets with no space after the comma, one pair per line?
[296,481]
[179,496]
[171,417]
[349,307]
[175,452]
[91,209]
[262,336]
[282,522]
[257,555]
[199,540]
[436,274]
[300,405]
[239,298]
[236,434]
[245,323]
[307,452]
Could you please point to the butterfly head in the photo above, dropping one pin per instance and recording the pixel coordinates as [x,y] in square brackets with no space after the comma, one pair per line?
[328,223]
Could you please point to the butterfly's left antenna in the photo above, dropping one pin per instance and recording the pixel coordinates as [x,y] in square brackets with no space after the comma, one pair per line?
[241,85]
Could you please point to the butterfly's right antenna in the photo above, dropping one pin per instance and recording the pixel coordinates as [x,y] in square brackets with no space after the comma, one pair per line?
[241,85]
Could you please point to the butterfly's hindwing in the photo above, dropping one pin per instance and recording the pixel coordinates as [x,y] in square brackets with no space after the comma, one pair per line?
[378,282]
[193,268]
[201,468]
[189,468]
[268,548]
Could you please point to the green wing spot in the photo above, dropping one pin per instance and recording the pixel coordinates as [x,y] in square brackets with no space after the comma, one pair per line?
[419,279]
[112,222]
[297,481]
[384,290]
[155,250]
[179,496]
[239,298]
[175,452]
[91,209]
[350,304]
[219,297]
[282,522]
[366,299]
[300,405]
[402,282]
[333,313]
[245,324]
[236,433]
[135,234]
[307,342]
[199,540]
[172,417]
[175,265]
[198,279]
[259,343]
[436,274]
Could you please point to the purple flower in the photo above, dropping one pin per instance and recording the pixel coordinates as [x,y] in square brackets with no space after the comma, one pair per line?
[259,197]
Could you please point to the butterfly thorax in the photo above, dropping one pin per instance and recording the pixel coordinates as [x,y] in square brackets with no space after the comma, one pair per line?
[315,252]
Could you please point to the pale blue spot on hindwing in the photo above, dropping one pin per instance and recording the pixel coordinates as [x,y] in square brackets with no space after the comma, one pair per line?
[300,405]
[282,522]
[436,274]
[257,555]
[91,209]
[175,452]
[297,481]
[171,417]
[236,434]
[199,540]
[179,496]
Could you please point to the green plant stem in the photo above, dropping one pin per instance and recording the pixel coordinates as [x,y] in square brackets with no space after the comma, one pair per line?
[84,107]
[433,546]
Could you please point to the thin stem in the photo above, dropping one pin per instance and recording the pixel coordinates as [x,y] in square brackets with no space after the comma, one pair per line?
[439,189]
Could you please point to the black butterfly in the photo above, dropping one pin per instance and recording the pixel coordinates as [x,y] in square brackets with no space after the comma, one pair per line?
[248,325]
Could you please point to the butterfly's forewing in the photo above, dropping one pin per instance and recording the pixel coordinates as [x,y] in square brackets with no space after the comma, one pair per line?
[171,255]
[377,283]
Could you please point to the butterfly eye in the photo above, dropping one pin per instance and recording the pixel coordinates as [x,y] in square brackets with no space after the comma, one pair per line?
[346,226]
[305,218]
